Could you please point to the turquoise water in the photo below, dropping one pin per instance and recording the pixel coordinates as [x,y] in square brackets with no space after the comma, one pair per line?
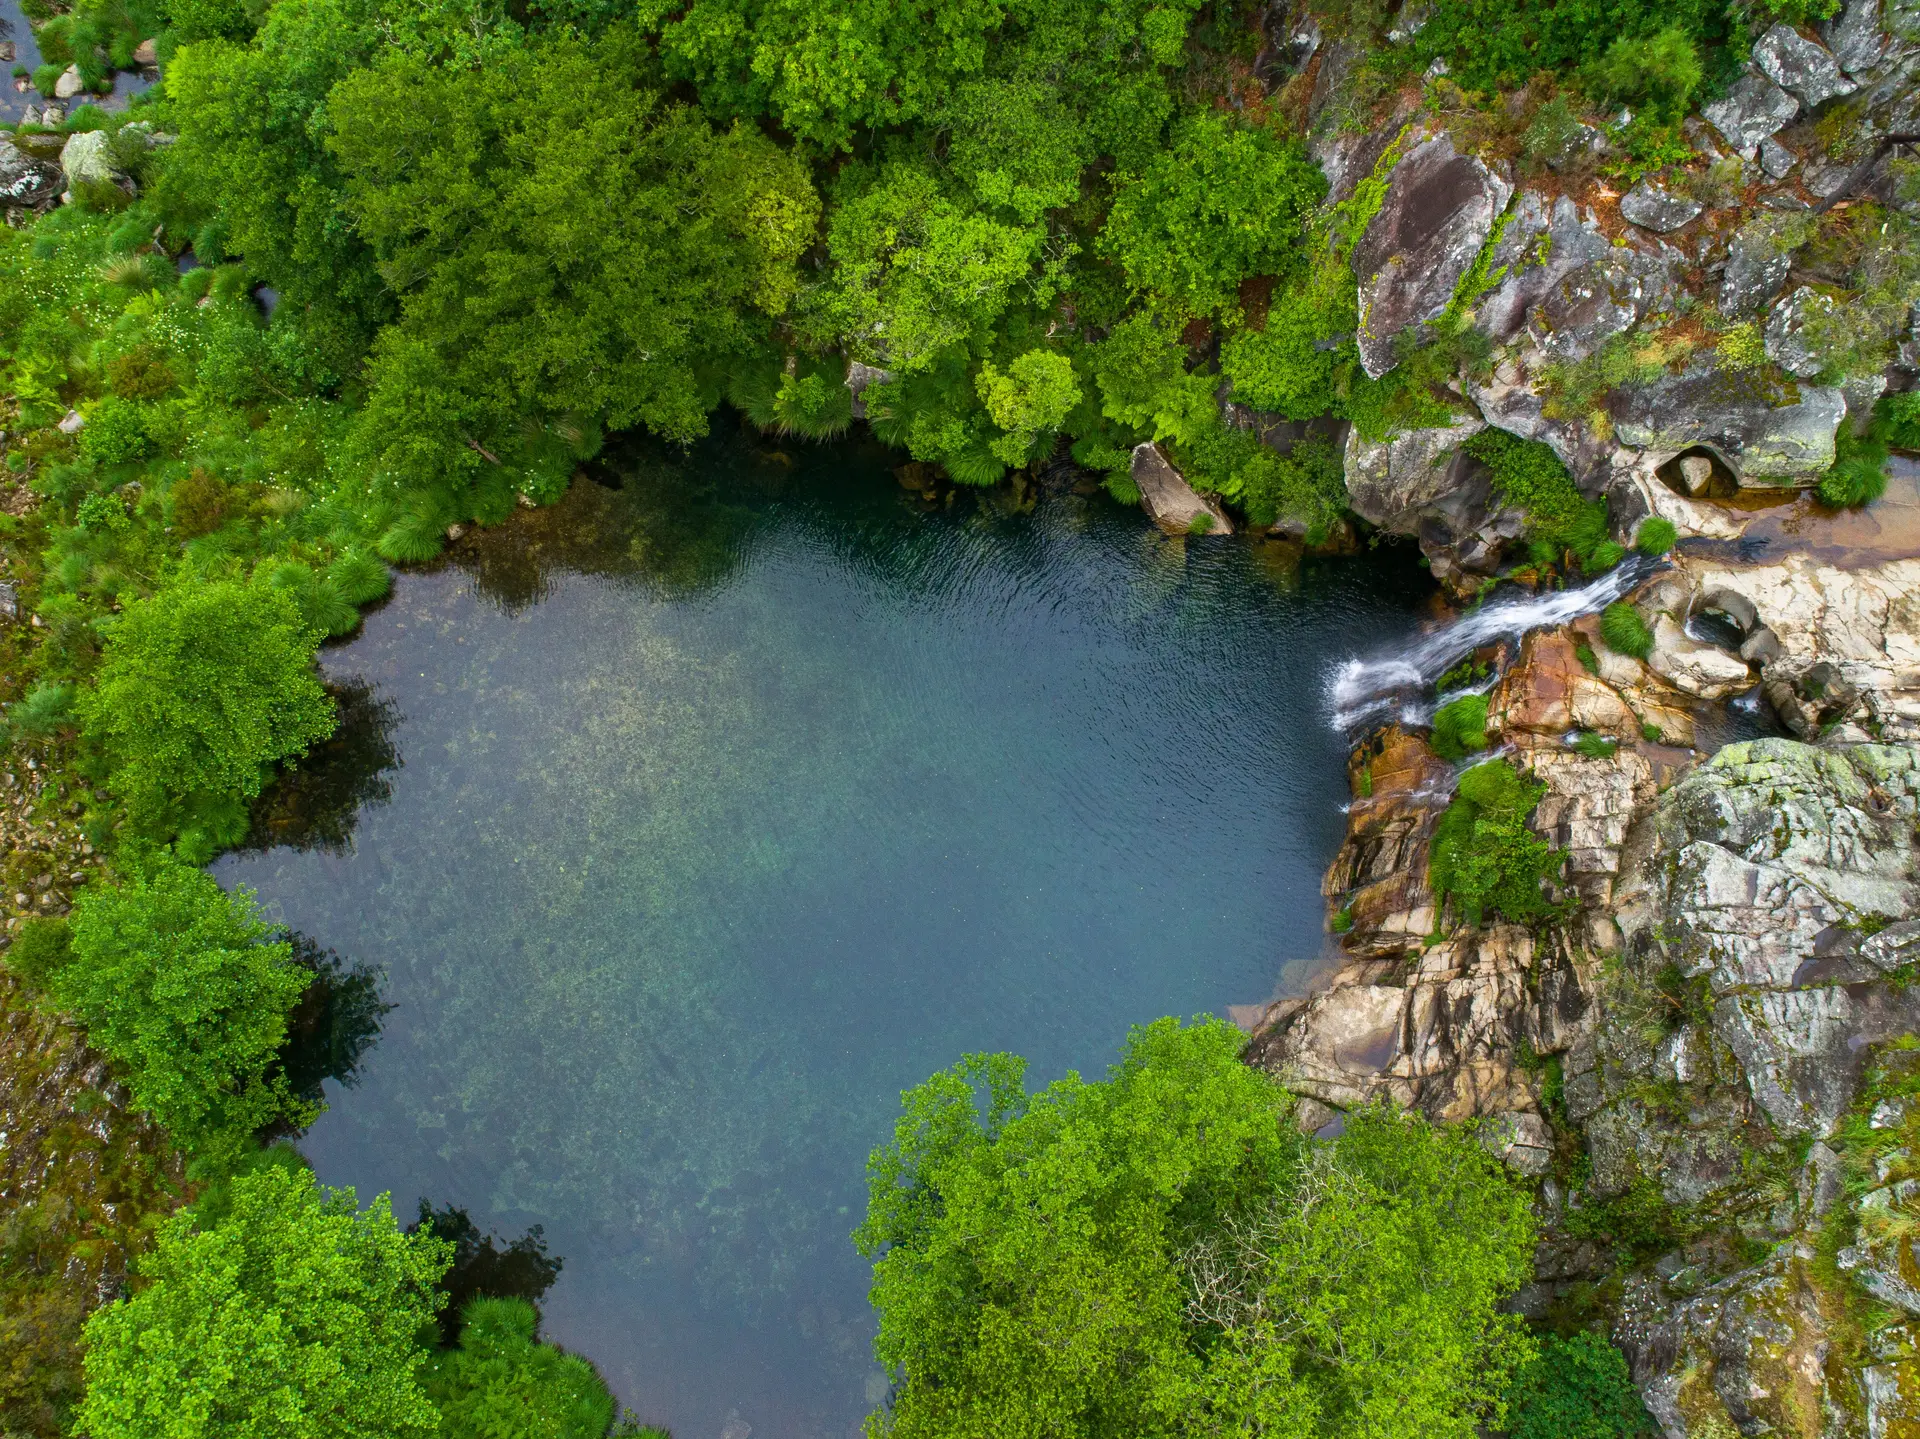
[731,803]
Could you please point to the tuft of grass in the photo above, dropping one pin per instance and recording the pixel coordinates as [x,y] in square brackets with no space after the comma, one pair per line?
[1460,728]
[1595,746]
[1656,536]
[1624,631]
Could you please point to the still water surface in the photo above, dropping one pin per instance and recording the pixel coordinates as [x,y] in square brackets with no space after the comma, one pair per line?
[731,803]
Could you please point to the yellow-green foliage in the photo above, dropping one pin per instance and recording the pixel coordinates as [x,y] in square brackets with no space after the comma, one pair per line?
[1483,856]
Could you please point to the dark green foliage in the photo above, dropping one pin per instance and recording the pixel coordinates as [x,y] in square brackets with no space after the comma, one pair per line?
[1460,727]
[201,689]
[1226,201]
[295,1315]
[1859,472]
[482,1269]
[1286,367]
[1902,416]
[40,950]
[569,245]
[1577,1388]
[1495,46]
[1483,856]
[502,1381]
[1655,536]
[1163,1253]
[1529,476]
[116,432]
[187,990]
[1306,486]
[1624,631]
[41,713]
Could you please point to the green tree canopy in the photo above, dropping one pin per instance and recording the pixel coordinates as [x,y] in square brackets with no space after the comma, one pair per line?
[1164,1253]
[502,1381]
[188,990]
[295,1317]
[570,251]
[202,687]
[1223,202]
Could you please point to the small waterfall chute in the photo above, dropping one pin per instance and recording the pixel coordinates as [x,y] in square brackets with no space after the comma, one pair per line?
[1364,691]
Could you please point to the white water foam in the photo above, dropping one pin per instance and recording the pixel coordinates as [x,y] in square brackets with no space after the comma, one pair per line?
[1364,691]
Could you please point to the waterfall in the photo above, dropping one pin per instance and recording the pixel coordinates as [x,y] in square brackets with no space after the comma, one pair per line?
[1363,691]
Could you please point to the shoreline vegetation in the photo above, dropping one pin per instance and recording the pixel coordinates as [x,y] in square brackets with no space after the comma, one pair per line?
[356,274]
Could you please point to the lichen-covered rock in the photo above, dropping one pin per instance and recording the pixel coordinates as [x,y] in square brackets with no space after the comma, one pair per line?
[1757,266]
[1786,338]
[1768,434]
[1511,403]
[1439,210]
[85,158]
[1776,159]
[1797,64]
[1594,302]
[1388,481]
[1854,35]
[1752,110]
[1170,501]
[1542,243]
[1653,207]
[25,183]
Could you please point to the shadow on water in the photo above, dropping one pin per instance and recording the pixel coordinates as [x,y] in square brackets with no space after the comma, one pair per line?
[481,1268]
[315,803]
[335,1023]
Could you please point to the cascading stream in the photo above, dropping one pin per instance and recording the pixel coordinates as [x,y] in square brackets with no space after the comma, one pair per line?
[1361,691]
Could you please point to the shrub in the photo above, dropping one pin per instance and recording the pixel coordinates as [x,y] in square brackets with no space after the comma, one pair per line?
[1224,201]
[1282,368]
[202,688]
[1460,727]
[1658,72]
[1902,416]
[1577,1388]
[116,432]
[198,504]
[1655,536]
[1529,476]
[184,987]
[501,1380]
[1029,402]
[1483,856]
[1204,1256]
[42,712]
[297,1314]
[42,947]
[1859,472]
[1624,631]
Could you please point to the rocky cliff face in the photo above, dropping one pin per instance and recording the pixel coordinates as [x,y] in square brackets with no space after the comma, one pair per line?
[1707,1061]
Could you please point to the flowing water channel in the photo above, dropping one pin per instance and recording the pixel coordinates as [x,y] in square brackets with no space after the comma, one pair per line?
[691,821]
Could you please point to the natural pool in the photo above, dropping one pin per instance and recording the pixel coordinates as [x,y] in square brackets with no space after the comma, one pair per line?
[732,802]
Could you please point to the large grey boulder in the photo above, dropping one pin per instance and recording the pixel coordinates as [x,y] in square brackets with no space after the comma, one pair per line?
[1543,242]
[1757,266]
[1389,480]
[1761,867]
[1796,64]
[1606,297]
[25,183]
[85,158]
[1751,111]
[1440,208]
[69,84]
[859,376]
[1855,36]
[1787,342]
[1170,501]
[1768,434]
[1510,402]
[1653,207]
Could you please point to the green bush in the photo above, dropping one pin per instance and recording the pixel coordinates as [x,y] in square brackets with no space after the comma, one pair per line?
[184,987]
[1282,367]
[1500,44]
[1529,476]
[1624,631]
[41,948]
[201,689]
[1577,1388]
[1483,856]
[1655,536]
[1858,475]
[116,432]
[1902,416]
[1098,1209]
[297,1314]
[503,1381]
[1460,727]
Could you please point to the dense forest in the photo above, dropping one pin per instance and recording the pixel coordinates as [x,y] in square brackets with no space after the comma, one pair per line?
[354,273]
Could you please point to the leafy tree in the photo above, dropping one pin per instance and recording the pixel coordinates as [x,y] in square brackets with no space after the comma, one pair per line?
[1142,371]
[1286,367]
[188,991]
[1029,402]
[502,1381]
[916,270]
[202,687]
[573,252]
[295,1317]
[1163,1253]
[1223,202]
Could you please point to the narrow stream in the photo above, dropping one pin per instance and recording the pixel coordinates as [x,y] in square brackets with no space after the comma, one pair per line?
[698,818]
